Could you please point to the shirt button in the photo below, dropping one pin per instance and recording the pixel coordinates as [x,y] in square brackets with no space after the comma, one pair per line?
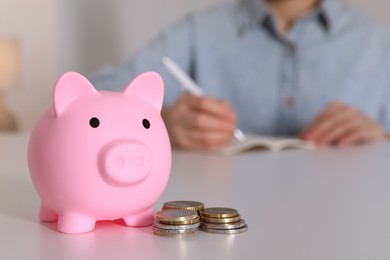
[291,47]
[288,101]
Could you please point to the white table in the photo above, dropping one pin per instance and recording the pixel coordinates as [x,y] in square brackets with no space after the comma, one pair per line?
[324,204]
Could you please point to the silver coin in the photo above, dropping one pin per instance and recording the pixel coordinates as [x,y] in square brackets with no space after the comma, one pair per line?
[218,213]
[160,225]
[227,231]
[176,215]
[233,225]
[168,232]
[184,204]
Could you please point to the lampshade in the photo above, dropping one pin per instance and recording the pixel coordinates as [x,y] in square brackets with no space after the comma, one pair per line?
[9,63]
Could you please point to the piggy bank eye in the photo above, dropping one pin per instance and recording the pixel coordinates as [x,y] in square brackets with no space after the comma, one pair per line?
[94,122]
[146,123]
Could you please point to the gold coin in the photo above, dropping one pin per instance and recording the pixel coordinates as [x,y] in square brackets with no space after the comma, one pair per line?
[221,220]
[218,213]
[186,222]
[160,225]
[184,204]
[174,215]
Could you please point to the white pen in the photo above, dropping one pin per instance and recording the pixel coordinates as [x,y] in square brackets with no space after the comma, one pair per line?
[187,84]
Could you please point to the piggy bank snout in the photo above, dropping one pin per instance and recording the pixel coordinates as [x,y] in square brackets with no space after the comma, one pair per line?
[125,162]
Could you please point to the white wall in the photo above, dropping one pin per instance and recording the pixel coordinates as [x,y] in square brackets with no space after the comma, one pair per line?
[379,9]
[83,35]
[98,32]
[33,23]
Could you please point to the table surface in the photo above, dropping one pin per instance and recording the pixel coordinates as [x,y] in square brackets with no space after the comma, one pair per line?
[323,204]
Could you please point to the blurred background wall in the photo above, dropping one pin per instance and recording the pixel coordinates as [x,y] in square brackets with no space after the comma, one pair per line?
[84,35]
[34,24]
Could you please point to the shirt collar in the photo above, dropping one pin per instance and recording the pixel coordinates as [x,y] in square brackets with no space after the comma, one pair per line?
[328,13]
[255,12]
[332,11]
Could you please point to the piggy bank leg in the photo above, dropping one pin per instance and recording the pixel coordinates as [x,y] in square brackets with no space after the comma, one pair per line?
[142,219]
[73,223]
[46,214]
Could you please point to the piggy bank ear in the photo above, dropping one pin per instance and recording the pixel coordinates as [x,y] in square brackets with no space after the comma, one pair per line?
[148,86]
[69,87]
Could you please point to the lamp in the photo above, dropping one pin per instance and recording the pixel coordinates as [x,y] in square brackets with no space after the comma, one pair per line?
[9,78]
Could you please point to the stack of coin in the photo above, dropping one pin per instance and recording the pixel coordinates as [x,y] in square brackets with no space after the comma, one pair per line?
[184,204]
[175,222]
[222,221]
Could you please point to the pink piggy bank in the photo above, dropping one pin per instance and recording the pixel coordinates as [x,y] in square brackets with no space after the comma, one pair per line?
[100,155]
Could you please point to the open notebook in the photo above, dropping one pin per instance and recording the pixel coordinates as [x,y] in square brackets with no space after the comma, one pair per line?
[274,144]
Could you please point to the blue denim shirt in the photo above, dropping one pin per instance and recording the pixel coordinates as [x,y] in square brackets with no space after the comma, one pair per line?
[277,83]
